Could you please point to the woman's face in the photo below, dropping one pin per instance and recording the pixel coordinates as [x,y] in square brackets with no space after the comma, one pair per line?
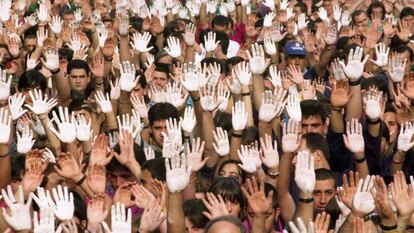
[233,207]
[231,170]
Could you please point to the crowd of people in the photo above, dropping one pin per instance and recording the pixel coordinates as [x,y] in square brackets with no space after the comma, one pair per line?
[217,116]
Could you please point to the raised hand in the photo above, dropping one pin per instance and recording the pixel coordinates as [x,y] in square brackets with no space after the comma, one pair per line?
[5,126]
[404,138]
[115,93]
[239,116]
[372,105]
[223,94]
[382,202]
[354,68]
[100,151]
[381,53]
[363,203]
[396,68]
[347,194]
[268,19]
[257,61]
[291,139]
[323,15]
[120,221]
[248,159]
[104,103]
[174,131]
[173,49]
[270,47]
[293,107]
[63,205]
[275,77]
[340,93]
[256,197]
[178,174]
[270,156]
[97,210]
[194,77]
[127,124]
[143,197]
[149,153]
[139,105]
[208,98]
[56,25]
[337,71]
[189,35]
[215,205]
[271,107]
[96,179]
[152,217]
[174,95]
[305,172]
[40,105]
[295,74]
[83,129]
[302,23]
[402,195]
[221,145]
[15,105]
[157,94]
[126,143]
[195,156]
[5,83]
[210,43]
[354,139]
[128,81]
[213,74]
[337,12]
[345,19]
[140,42]
[321,224]
[42,13]
[19,216]
[25,140]
[66,125]
[299,228]
[102,36]
[189,121]
[46,223]
[52,59]
[48,157]
[243,74]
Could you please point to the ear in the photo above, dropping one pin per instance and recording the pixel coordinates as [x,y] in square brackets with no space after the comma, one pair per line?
[326,126]
[318,155]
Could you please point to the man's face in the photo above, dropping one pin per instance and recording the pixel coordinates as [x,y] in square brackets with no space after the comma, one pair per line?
[67,18]
[230,170]
[299,61]
[30,44]
[190,228]
[157,128]
[160,79]
[390,119]
[139,90]
[377,10]
[361,21]
[120,177]
[409,19]
[78,80]
[219,28]
[224,227]
[313,124]
[324,191]
[327,4]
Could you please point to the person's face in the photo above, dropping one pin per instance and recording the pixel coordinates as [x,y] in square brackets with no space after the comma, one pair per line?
[297,11]
[157,128]
[160,79]
[361,21]
[30,44]
[67,18]
[4,53]
[406,56]
[190,228]
[146,24]
[324,191]
[165,60]
[377,10]
[230,170]
[139,90]
[78,80]
[408,19]
[84,113]
[224,227]
[120,177]
[313,124]
[219,28]
[298,61]
[233,207]
[271,216]
[53,180]
[145,180]
[327,4]
[390,119]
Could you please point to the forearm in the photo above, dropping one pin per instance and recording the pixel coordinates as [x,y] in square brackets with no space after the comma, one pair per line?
[51,137]
[5,166]
[354,106]
[125,103]
[337,122]
[305,208]
[235,143]
[264,128]
[62,86]
[325,56]
[189,54]
[110,121]
[208,128]
[361,165]
[124,53]
[258,224]
[246,96]
[175,218]
[190,189]
[135,169]
[397,162]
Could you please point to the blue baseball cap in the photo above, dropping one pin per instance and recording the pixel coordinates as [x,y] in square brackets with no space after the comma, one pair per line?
[295,48]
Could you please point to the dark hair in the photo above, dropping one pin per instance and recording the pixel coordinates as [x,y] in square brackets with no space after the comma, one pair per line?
[404,48]
[220,20]
[32,79]
[211,60]
[356,14]
[223,120]
[156,167]
[236,162]
[224,41]
[226,218]
[325,174]
[302,6]
[313,108]
[229,189]
[232,61]
[376,4]
[162,111]
[193,209]
[406,11]
[315,141]
[65,53]
[161,67]
[31,32]
[250,134]
[342,43]
[79,104]
[78,64]
[268,188]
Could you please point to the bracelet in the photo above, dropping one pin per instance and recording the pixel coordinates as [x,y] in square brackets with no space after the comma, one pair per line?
[195,99]
[246,93]
[371,122]
[388,228]
[108,59]
[273,175]
[237,135]
[360,160]
[397,162]
[4,156]
[79,183]
[98,84]
[355,83]
[336,109]
[186,137]
[306,200]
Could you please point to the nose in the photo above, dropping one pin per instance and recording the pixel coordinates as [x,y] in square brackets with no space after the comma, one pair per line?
[228,205]
[323,198]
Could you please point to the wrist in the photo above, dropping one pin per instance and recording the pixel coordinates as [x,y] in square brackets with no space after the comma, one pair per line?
[77,178]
